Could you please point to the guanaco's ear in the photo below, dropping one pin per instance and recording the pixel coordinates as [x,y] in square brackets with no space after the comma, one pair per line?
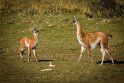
[75,18]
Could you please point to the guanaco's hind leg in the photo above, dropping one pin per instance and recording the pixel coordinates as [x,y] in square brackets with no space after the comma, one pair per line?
[21,54]
[107,51]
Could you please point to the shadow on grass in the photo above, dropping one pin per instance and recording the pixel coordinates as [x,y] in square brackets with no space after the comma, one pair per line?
[115,61]
[44,60]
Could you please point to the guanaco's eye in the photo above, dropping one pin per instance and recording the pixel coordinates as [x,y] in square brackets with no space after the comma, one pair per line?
[73,21]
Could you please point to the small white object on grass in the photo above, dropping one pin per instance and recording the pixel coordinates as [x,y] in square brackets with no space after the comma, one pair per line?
[50,65]
[46,69]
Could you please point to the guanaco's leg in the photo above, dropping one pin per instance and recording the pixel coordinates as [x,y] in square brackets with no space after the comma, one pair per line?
[21,54]
[29,54]
[107,51]
[82,50]
[34,52]
[103,54]
[90,54]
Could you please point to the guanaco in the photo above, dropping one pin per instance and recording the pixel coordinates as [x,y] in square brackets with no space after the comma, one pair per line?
[90,40]
[31,44]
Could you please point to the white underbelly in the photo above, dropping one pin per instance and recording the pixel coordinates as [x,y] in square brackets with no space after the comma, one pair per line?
[95,43]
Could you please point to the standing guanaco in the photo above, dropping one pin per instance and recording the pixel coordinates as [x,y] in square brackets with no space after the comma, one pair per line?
[31,44]
[90,40]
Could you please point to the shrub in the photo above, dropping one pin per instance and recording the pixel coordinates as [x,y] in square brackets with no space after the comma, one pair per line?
[107,8]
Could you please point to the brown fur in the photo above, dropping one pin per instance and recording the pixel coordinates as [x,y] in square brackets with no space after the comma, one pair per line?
[90,37]
[30,41]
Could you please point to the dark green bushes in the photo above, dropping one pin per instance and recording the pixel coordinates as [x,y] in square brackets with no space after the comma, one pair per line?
[107,8]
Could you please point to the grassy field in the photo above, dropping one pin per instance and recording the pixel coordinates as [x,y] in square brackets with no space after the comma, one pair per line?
[58,44]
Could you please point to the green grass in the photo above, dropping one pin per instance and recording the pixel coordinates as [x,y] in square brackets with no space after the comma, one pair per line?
[58,44]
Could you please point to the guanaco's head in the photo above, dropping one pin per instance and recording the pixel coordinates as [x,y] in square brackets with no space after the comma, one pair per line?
[36,31]
[74,20]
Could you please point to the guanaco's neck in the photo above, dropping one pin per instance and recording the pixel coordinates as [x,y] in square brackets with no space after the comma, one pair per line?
[79,29]
[35,38]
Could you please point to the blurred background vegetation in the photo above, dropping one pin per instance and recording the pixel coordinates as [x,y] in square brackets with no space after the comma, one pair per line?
[90,8]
